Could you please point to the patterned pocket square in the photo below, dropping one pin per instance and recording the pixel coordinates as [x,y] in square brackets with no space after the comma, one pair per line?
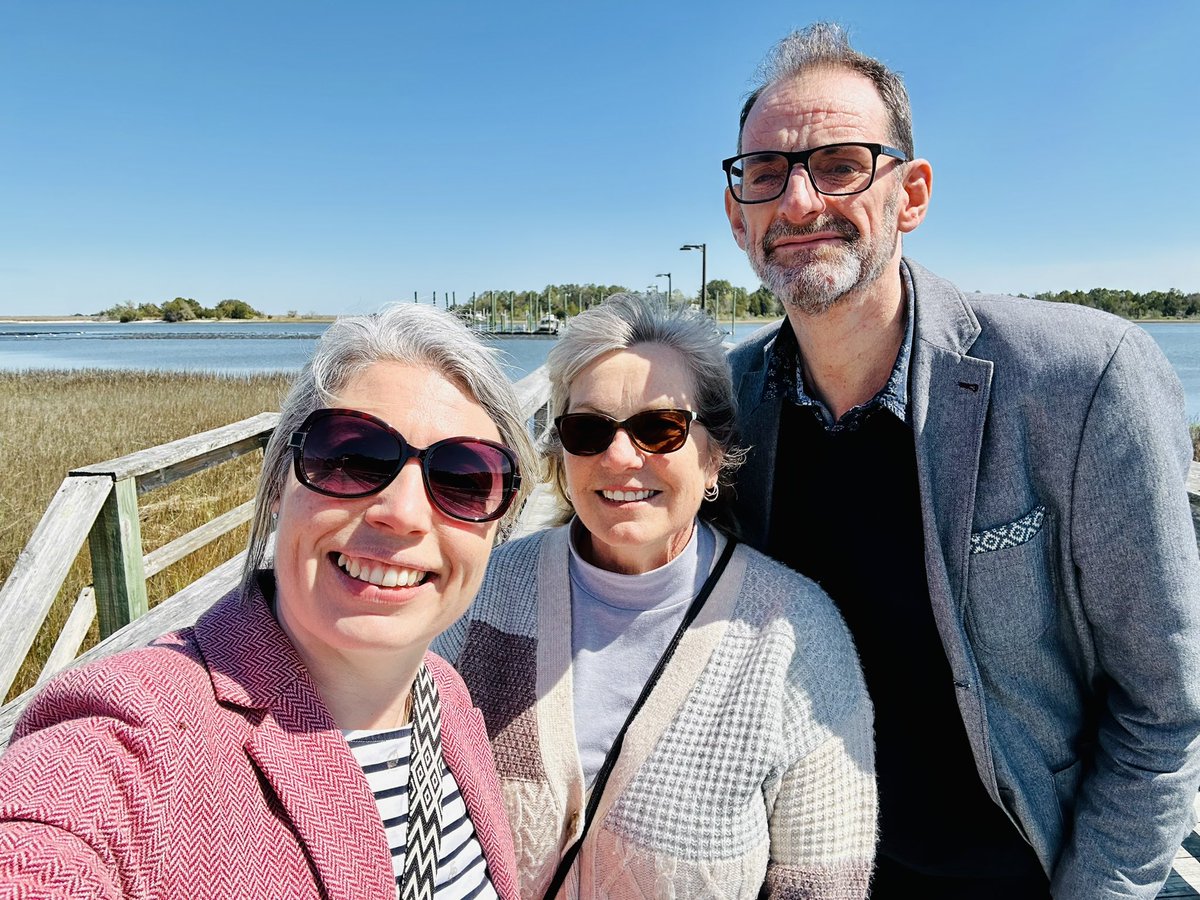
[1011,535]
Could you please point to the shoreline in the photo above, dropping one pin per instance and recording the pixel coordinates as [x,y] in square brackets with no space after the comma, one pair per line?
[311,320]
[99,320]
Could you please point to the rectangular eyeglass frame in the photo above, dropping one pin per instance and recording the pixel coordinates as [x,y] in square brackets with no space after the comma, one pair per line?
[801,157]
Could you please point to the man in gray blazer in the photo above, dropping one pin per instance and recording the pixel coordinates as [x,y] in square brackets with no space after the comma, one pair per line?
[991,489]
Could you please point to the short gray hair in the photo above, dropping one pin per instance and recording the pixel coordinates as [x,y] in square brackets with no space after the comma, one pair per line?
[404,333]
[825,45]
[619,323]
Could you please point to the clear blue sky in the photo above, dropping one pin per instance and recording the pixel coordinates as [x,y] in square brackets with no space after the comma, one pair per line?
[329,157]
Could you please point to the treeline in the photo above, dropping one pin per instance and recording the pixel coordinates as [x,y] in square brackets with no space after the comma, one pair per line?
[1172,304]
[181,309]
[517,309]
[505,308]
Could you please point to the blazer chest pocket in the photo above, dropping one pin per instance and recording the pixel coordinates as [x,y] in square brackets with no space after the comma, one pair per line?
[1010,591]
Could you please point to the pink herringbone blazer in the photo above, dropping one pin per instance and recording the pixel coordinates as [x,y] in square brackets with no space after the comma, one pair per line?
[207,766]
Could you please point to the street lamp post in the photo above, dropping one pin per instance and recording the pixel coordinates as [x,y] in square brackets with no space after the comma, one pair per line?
[670,292]
[703,248]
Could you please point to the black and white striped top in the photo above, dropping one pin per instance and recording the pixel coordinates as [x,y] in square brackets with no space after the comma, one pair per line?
[462,871]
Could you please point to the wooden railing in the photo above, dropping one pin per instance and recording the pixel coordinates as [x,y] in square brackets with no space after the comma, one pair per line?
[98,504]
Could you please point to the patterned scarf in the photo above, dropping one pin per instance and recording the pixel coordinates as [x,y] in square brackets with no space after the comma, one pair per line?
[424,791]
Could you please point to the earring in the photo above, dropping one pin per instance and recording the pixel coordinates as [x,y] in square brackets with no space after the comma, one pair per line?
[711,492]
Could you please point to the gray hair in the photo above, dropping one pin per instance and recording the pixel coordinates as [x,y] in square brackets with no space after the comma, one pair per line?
[619,323]
[827,45]
[404,333]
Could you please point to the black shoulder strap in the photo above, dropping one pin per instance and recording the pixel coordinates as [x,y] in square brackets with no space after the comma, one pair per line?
[610,760]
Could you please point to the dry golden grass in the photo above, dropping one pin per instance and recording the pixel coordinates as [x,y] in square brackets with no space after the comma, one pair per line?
[52,422]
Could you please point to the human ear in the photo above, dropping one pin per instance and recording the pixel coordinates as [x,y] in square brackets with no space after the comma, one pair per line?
[917,185]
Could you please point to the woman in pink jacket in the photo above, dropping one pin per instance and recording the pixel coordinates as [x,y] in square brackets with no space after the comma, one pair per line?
[300,740]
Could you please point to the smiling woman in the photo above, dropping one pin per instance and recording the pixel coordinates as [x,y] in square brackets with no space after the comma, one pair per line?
[666,706]
[303,712]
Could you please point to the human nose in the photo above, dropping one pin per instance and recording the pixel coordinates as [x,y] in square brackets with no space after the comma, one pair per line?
[622,453]
[404,506]
[800,200]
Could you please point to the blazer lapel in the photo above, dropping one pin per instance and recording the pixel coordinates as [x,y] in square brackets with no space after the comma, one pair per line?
[302,756]
[759,424]
[949,402]
[326,798]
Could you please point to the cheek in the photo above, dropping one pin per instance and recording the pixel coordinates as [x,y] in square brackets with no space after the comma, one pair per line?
[304,516]
[574,470]
[471,553]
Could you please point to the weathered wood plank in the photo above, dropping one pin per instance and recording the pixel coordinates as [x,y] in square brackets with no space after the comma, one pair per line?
[157,560]
[169,462]
[196,464]
[116,546]
[541,511]
[533,393]
[1184,880]
[74,630]
[177,611]
[42,567]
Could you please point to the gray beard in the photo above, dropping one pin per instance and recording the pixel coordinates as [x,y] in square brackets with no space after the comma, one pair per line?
[818,285]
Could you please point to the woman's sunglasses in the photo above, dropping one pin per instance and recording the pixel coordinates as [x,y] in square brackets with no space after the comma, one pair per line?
[655,430]
[346,453]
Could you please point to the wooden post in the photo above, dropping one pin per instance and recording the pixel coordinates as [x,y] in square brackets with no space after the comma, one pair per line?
[117,571]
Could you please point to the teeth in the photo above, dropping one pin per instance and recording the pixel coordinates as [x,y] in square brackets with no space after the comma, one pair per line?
[625,496]
[379,574]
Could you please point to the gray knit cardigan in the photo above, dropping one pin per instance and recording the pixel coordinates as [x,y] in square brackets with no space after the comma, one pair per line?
[750,765]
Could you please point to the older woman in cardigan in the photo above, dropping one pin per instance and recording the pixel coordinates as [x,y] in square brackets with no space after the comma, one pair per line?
[746,768]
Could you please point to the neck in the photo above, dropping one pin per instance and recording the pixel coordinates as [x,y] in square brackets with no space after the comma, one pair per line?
[629,560]
[848,351]
[361,689]
[357,702]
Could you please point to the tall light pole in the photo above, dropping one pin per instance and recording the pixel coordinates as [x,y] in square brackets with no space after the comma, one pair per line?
[703,248]
[670,293]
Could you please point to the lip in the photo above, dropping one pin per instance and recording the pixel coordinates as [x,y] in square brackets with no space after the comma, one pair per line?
[627,494]
[807,240]
[371,573]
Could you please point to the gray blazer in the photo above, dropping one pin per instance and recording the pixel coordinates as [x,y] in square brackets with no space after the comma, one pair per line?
[1052,457]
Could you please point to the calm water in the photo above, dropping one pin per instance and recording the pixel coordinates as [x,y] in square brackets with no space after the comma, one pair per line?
[245,349]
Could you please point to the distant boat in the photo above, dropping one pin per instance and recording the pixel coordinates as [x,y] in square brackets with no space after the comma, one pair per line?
[548,324]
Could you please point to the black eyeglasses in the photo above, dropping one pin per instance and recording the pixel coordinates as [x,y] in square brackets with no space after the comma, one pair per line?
[836,170]
[346,453]
[655,430]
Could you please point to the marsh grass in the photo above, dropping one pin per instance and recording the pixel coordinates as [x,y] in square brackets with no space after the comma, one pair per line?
[52,422]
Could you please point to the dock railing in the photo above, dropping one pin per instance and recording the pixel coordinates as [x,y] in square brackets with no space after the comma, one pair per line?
[98,504]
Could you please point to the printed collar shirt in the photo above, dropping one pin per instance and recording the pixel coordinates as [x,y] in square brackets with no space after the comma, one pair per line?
[785,376]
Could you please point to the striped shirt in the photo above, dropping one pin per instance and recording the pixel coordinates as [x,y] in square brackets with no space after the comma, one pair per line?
[384,757]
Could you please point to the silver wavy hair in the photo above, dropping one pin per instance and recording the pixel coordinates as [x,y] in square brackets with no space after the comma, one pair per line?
[404,333]
[827,45]
[619,323]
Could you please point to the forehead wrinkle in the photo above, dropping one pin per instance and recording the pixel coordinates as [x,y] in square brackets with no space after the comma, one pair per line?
[839,105]
[648,379]
[784,123]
